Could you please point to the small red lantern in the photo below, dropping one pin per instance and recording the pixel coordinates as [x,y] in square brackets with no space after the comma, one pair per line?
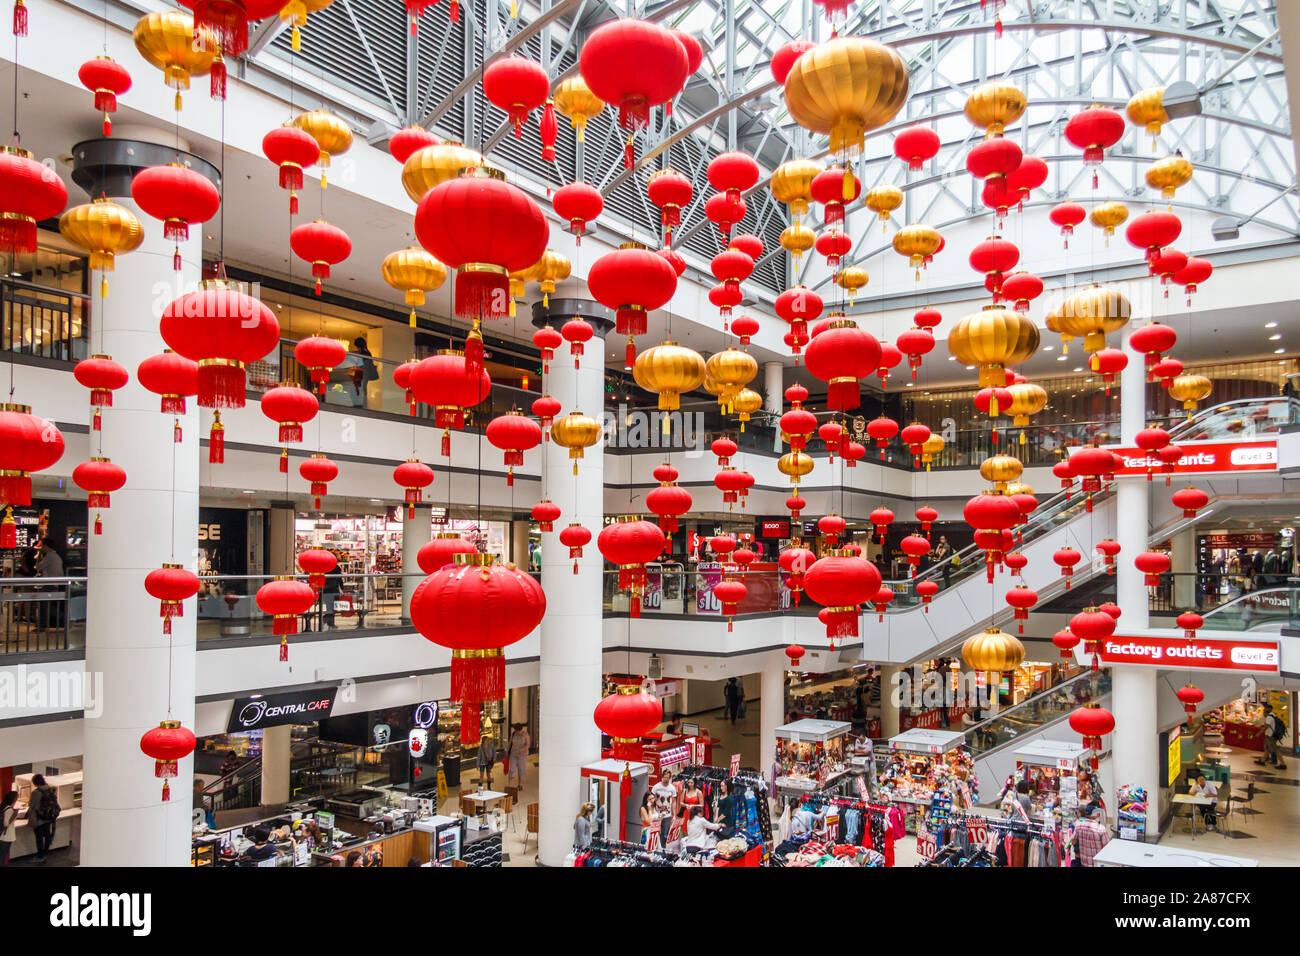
[574,537]
[853,453]
[1021,288]
[517,86]
[1153,340]
[1152,564]
[1108,548]
[318,470]
[1063,471]
[834,245]
[882,430]
[1153,230]
[724,448]
[319,355]
[27,444]
[927,589]
[321,244]
[168,744]
[1111,608]
[578,203]
[292,150]
[914,436]
[547,340]
[1193,274]
[442,550]
[178,196]
[795,562]
[890,356]
[832,526]
[410,140]
[833,188]
[285,599]
[98,478]
[1190,622]
[1190,696]
[172,377]
[1067,215]
[732,173]
[290,406]
[730,481]
[1066,559]
[413,476]
[669,501]
[1015,562]
[796,505]
[915,547]
[729,594]
[724,212]
[108,80]
[1094,131]
[316,563]
[880,519]
[102,376]
[883,596]
[451,383]
[832,435]
[915,343]
[915,144]
[1093,626]
[1095,466]
[1170,455]
[1022,598]
[546,409]
[1151,440]
[576,332]
[1066,641]
[514,433]
[545,513]
[172,585]
[746,327]
[1190,500]
[1092,722]
[927,516]
[1108,363]
[795,653]
[1167,369]
[633,282]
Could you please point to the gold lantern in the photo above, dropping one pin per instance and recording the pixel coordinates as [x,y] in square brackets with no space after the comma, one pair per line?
[1001,469]
[576,103]
[994,651]
[551,268]
[668,370]
[1190,389]
[1094,312]
[918,243]
[728,371]
[746,402]
[576,432]
[295,12]
[332,135]
[851,279]
[882,200]
[797,239]
[103,229]
[931,449]
[792,185]
[1019,488]
[168,41]
[795,465]
[844,88]
[414,272]
[1147,108]
[433,165]
[1169,173]
[1053,322]
[994,105]
[1107,216]
[992,339]
[1027,399]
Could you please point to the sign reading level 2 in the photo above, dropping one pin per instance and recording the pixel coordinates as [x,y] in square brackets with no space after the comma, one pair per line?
[1202,653]
[1203,458]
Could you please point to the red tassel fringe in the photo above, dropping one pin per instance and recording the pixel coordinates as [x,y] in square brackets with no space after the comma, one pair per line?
[20,19]
[290,431]
[217,446]
[221,386]
[482,295]
[16,489]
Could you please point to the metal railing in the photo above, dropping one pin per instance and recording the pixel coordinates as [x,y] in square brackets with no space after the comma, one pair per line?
[1010,725]
[1270,607]
[42,614]
[44,322]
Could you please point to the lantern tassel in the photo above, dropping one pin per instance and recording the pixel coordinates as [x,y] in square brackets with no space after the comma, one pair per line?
[217,86]
[176,431]
[482,293]
[293,203]
[95,421]
[8,530]
[284,461]
[454,16]
[166,792]
[108,126]
[20,20]
[469,723]
[446,443]
[217,442]
[284,649]
[99,524]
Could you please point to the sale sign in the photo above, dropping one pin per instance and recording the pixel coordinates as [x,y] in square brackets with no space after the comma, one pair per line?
[1199,653]
[1203,458]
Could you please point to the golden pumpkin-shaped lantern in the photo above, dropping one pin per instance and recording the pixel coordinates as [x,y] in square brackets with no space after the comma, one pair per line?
[1019,488]
[728,371]
[104,230]
[746,403]
[792,186]
[797,239]
[851,279]
[883,199]
[918,242]
[576,432]
[1027,398]
[993,651]
[1169,173]
[794,465]
[995,105]
[295,13]
[1001,469]
[1147,109]
[844,88]
[993,339]
[1053,322]
[576,103]
[551,268]
[668,370]
[167,40]
[1108,216]
[433,165]
[332,135]
[1093,313]
[1190,389]
[931,448]
[413,272]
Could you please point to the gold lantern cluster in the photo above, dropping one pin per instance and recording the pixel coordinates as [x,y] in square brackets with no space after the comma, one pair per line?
[726,374]
[168,41]
[1093,313]
[918,242]
[413,272]
[844,88]
[332,135]
[1108,216]
[994,106]
[795,465]
[576,432]
[1147,109]
[104,230]
[576,103]
[993,651]
[1001,470]
[1190,389]
[792,186]
[993,339]
[883,199]
[668,370]
[434,165]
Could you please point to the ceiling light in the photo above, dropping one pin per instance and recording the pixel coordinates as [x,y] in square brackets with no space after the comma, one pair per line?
[1047,348]
[1062,358]
[1279,351]
[952,358]
[1270,325]
[1078,368]
[1275,336]
[970,368]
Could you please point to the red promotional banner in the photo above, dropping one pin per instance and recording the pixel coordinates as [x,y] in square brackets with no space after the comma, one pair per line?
[1241,539]
[1204,458]
[1199,653]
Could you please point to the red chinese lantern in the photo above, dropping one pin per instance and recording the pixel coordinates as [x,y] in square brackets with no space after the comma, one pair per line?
[447,382]
[1152,340]
[669,501]
[1028,176]
[795,653]
[178,196]
[882,430]
[108,80]
[415,9]
[517,86]
[29,193]
[1151,440]
[840,584]
[927,318]
[840,357]
[834,245]
[1066,559]
[1108,548]
[319,355]
[746,327]
[442,550]
[1067,215]
[992,401]
[880,519]
[832,526]
[732,173]
[547,340]
[796,505]
[514,433]
[1022,599]
[634,65]
[915,144]
[292,150]
[798,306]
[927,516]
[993,257]
[915,343]
[633,282]
[320,244]
[484,228]
[724,448]
[102,376]
[993,158]
[28,443]
[1190,622]
[318,470]
[1093,626]
[172,377]
[98,478]
[1170,455]
[1111,608]
[724,212]
[1153,230]
[1095,466]
[172,585]
[890,356]
[577,333]
[402,379]
[1152,564]
[1165,263]
[1190,500]
[1094,131]
[409,140]
[731,267]
[1190,696]
[1020,288]
[284,600]
[1063,471]
[168,744]
[1192,275]
[477,609]
[729,481]
[575,537]
[1108,363]
[992,516]
[722,545]
[1092,722]
[1066,641]
[413,476]
[881,600]
[670,192]
[784,59]
[629,543]
[795,344]
[914,436]
[1167,369]
[289,406]
[316,563]
[729,594]
[915,547]
[926,590]
[833,188]
[832,435]
[626,716]
[795,562]
[578,203]
[853,453]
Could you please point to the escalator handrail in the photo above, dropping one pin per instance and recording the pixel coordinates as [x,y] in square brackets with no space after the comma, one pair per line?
[1084,675]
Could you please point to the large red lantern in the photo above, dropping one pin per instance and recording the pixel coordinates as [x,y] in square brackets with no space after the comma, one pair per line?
[578,203]
[1190,500]
[993,159]
[729,481]
[108,80]
[172,585]
[1067,215]
[221,329]
[446,382]
[915,144]
[102,376]
[1190,622]
[1066,559]
[516,85]
[29,193]
[915,343]
[318,470]
[1153,230]
[178,196]
[284,600]
[1094,131]
[732,173]
[322,245]
[413,476]
[27,444]
[484,228]
[832,526]
[514,433]
[840,584]
[292,150]
[1108,548]
[629,542]
[1152,564]
[1022,599]
[1093,626]
[626,716]
[842,356]
[98,478]
[1152,340]
[168,744]
[1066,641]
[632,281]
[172,377]
[316,563]
[442,550]
[289,406]
[319,355]
[915,547]
[575,537]
[1092,722]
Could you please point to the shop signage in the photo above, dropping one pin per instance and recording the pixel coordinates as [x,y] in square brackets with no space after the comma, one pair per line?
[1239,539]
[863,792]
[1200,653]
[977,830]
[708,574]
[299,707]
[417,741]
[426,714]
[735,765]
[674,755]
[1204,458]
[774,527]
[926,844]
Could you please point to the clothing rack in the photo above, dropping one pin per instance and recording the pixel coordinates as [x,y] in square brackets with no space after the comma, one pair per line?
[747,775]
[612,849]
[846,802]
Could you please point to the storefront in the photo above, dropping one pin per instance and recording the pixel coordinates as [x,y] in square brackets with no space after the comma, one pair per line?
[1060,782]
[1236,561]
[811,756]
[929,772]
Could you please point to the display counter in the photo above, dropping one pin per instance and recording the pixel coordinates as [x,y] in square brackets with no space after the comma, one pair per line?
[67,828]
[810,755]
[928,774]
[1058,776]
[1243,725]
[1133,853]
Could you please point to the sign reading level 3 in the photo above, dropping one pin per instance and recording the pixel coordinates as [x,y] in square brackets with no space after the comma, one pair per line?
[1199,653]
[1203,458]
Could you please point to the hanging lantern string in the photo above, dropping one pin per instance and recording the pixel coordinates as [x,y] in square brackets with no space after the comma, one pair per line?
[17,137]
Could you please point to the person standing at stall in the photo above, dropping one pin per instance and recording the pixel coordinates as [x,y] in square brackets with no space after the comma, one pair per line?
[486,757]
[8,831]
[43,810]
[582,826]
[517,749]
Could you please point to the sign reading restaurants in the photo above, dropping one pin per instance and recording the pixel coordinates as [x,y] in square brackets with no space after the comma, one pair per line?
[1200,653]
[1202,458]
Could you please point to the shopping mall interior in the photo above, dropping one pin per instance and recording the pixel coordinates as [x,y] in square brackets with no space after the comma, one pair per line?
[566,433]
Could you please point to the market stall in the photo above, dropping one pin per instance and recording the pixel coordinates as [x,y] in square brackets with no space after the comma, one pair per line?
[929,774]
[1243,725]
[1058,777]
[810,756]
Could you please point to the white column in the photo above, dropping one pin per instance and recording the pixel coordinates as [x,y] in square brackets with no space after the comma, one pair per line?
[572,636]
[1135,747]
[889,690]
[771,709]
[280,541]
[1182,559]
[774,394]
[276,744]
[123,821]
[417,531]
[519,543]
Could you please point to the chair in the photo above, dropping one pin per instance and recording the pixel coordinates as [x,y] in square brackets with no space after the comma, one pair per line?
[468,806]
[1244,802]
[531,827]
[513,792]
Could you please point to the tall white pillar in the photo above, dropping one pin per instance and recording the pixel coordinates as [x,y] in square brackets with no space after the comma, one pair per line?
[1182,562]
[276,746]
[889,691]
[774,394]
[771,709]
[123,820]
[519,543]
[417,531]
[1135,755]
[572,635]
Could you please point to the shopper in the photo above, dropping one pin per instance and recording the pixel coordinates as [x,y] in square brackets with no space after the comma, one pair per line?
[582,826]
[666,800]
[353,858]
[1090,836]
[1207,788]
[943,558]
[517,749]
[1024,806]
[486,757]
[727,805]
[368,371]
[731,696]
[263,848]
[43,808]
[649,822]
[49,564]
[691,794]
[1274,731]
[8,829]
[697,832]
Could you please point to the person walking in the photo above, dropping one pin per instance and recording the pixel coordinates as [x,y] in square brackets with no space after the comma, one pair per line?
[1274,732]
[486,757]
[943,558]
[43,810]
[517,750]
[8,829]
[49,564]
[582,826]
[731,697]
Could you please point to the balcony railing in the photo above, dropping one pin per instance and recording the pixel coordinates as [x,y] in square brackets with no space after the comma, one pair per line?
[44,322]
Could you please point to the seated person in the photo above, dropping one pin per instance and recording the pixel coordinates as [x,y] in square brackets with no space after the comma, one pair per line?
[262,848]
[697,831]
[1207,788]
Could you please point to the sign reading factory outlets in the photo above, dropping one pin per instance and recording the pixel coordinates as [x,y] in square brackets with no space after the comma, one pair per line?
[1201,653]
[1204,458]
